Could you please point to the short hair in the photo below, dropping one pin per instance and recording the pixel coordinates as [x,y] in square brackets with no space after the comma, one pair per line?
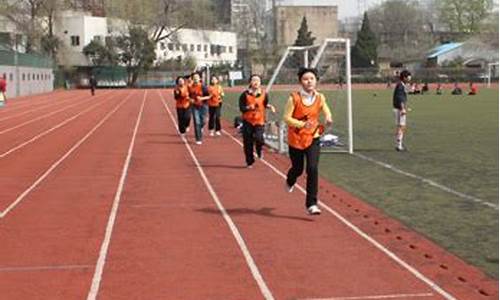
[254,75]
[179,78]
[404,74]
[303,71]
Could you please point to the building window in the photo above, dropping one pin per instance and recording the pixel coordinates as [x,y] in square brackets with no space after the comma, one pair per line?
[205,48]
[24,77]
[191,48]
[230,49]
[212,49]
[198,48]
[98,38]
[75,40]
[223,49]
[29,76]
[170,46]
[177,47]
[184,47]
[162,46]
[11,77]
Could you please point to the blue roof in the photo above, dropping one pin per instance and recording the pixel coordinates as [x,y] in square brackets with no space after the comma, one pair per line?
[442,49]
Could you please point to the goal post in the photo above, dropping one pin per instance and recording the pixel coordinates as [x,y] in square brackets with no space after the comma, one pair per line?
[492,72]
[332,59]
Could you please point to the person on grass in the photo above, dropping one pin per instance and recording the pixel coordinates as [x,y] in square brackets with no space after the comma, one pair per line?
[182,104]
[472,89]
[302,114]
[214,106]
[399,103]
[198,92]
[253,104]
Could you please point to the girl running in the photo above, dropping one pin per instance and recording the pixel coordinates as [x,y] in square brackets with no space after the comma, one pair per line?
[215,106]
[253,103]
[198,93]
[183,105]
[304,129]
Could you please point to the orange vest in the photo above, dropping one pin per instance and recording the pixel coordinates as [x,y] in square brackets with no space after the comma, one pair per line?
[302,138]
[195,91]
[258,115]
[182,97]
[216,92]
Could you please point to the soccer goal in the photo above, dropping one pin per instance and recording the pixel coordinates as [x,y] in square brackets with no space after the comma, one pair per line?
[333,61]
[492,72]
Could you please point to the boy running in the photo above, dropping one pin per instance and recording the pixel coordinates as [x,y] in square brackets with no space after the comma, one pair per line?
[304,129]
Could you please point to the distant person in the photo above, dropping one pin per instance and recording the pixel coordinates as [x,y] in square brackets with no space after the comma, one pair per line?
[215,106]
[3,90]
[93,84]
[439,89]
[425,88]
[456,89]
[399,102]
[472,89]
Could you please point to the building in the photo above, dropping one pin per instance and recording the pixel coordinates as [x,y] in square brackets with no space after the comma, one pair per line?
[286,16]
[207,47]
[471,53]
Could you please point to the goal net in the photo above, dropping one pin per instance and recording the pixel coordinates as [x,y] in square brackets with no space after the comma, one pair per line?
[332,60]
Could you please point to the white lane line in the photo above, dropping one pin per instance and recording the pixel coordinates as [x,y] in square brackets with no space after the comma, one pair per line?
[377,297]
[38,136]
[101,261]
[59,161]
[80,101]
[232,226]
[44,268]
[428,181]
[14,104]
[372,241]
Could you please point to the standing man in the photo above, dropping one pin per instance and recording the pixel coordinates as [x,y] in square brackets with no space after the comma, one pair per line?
[3,90]
[399,102]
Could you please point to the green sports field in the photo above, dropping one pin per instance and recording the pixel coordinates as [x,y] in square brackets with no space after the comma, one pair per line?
[452,141]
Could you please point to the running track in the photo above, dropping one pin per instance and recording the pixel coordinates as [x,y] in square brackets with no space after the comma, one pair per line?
[101,199]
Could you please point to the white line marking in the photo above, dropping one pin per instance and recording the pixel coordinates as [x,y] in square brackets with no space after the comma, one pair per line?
[101,261]
[386,251]
[58,162]
[44,268]
[36,137]
[395,296]
[428,181]
[45,116]
[239,239]
[13,104]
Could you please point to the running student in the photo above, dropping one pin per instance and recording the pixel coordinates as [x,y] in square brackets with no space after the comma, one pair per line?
[199,95]
[302,114]
[3,90]
[183,104]
[253,104]
[214,106]
[400,108]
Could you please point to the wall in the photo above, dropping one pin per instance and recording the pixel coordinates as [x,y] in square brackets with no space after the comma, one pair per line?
[41,80]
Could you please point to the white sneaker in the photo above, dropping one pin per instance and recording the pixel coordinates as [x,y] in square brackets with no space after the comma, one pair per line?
[249,166]
[218,133]
[212,133]
[289,188]
[313,210]
[261,156]
[187,129]
[198,143]
[183,135]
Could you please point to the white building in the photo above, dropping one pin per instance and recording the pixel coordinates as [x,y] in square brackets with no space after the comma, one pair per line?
[205,46]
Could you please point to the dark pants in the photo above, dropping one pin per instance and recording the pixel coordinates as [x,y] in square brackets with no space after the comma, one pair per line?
[199,113]
[311,155]
[183,118]
[252,135]
[92,90]
[214,117]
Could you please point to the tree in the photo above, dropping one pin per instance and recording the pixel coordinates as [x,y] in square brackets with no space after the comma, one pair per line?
[101,54]
[136,52]
[304,36]
[464,16]
[364,51]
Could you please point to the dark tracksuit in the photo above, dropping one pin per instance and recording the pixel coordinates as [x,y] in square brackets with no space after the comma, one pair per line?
[251,133]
